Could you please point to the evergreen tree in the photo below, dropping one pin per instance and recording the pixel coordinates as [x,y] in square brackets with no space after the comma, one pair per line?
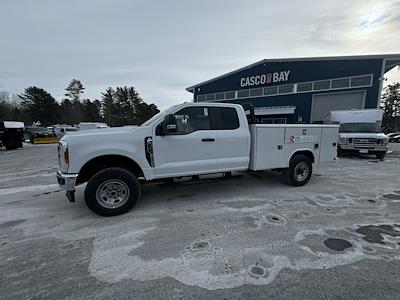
[39,105]
[108,106]
[73,94]
[124,106]
[390,104]
[91,111]
[66,112]
[74,90]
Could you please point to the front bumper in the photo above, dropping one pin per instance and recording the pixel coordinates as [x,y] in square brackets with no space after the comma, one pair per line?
[355,148]
[67,183]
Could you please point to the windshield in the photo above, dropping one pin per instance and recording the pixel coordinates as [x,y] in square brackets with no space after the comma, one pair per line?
[161,113]
[360,127]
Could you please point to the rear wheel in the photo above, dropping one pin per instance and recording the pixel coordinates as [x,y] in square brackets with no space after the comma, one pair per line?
[112,191]
[11,144]
[299,171]
[381,156]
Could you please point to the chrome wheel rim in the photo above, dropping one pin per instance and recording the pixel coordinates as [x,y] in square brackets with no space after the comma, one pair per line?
[301,171]
[112,193]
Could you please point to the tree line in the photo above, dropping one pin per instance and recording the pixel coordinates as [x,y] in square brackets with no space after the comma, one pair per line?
[390,103]
[117,107]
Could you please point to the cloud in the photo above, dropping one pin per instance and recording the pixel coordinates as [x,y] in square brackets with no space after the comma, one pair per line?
[162,47]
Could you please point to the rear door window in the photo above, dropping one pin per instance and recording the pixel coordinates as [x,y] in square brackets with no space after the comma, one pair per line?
[227,118]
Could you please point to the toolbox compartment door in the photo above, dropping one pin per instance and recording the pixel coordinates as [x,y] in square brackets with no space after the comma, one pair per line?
[267,150]
[329,142]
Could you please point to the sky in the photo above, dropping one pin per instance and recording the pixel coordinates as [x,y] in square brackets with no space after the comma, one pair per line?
[162,47]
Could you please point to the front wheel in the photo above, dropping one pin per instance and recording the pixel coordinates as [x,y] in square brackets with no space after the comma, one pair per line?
[112,191]
[299,171]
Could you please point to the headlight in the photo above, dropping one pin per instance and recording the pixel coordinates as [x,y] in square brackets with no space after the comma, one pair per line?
[342,141]
[63,156]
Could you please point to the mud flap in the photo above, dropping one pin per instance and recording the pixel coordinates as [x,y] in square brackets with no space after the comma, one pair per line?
[71,196]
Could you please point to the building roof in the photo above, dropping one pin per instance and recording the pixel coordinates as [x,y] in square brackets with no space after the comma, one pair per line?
[391,60]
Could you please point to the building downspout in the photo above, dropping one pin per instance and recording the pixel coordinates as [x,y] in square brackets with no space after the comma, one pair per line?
[382,79]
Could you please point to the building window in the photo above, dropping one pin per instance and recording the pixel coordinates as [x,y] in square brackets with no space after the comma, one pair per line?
[256,92]
[210,97]
[272,90]
[322,85]
[340,83]
[285,89]
[319,85]
[230,95]
[304,87]
[361,80]
[220,96]
[243,93]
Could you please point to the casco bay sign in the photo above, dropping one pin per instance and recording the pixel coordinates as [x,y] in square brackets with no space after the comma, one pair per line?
[265,78]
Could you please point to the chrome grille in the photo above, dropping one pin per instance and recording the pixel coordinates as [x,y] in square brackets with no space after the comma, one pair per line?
[364,143]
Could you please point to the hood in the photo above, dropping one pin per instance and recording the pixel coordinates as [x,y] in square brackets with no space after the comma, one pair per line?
[95,134]
[363,135]
[103,131]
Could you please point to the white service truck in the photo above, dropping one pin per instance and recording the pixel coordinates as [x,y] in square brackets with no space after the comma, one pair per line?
[189,139]
[360,132]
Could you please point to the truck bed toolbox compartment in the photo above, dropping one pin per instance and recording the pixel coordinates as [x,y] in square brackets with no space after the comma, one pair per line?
[272,146]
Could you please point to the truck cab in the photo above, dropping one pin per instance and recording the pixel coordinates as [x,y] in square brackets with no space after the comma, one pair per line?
[360,132]
[363,138]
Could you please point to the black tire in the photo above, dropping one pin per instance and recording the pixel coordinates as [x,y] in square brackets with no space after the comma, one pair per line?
[381,156]
[298,163]
[340,153]
[11,144]
[120,179]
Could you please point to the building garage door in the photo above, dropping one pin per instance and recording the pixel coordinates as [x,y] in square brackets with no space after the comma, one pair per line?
[324,103]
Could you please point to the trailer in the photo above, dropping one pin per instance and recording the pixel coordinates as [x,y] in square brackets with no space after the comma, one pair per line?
[11,134]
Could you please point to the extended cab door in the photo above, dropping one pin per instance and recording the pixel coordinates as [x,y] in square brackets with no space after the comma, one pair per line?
[233,139]
[191,150]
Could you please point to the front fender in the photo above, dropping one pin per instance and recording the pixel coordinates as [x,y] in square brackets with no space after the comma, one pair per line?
[82,153]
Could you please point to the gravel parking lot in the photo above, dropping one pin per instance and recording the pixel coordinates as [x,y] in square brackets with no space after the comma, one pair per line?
[249,236]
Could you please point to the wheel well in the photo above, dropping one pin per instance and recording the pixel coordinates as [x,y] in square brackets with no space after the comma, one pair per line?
[306,153]
[99,163]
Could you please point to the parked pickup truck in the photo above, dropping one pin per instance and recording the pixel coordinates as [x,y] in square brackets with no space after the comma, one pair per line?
[186,140]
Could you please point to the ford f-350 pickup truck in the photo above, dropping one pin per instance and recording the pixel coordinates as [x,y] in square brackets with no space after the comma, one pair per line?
[186,140]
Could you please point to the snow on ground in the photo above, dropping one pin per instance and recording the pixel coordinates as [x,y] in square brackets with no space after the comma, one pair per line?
[219,234]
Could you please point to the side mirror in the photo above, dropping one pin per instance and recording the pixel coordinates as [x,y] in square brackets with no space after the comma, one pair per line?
[169,124]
